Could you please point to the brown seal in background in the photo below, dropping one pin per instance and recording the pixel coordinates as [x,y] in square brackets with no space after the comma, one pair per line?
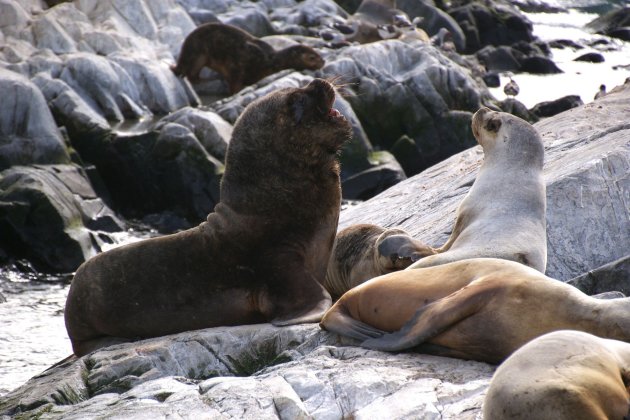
[364,251]
[261,256]
[481,309]
[563,375]
[241,58]
[503,214]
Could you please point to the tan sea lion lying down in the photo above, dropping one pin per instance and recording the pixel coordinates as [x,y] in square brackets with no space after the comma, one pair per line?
[480,309]
[261,256]
[241,58]
[563,375]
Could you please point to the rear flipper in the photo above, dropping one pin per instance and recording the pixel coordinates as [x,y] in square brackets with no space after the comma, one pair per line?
[434,319]
[337,320]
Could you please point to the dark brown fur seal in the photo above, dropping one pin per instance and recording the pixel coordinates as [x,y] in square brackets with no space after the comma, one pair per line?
[261,256]
[242,59]
[563,375]
[364,251]
[481,309]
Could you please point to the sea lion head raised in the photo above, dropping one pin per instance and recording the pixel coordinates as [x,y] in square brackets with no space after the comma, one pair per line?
[294,119]
[514,137]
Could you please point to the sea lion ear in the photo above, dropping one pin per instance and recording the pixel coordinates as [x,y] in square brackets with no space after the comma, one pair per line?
[493,124]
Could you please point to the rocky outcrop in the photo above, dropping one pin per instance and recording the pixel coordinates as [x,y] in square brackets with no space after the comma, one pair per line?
[51,215]
[28,134]
[256,371]
[615,23]
[416,92]
[609,278]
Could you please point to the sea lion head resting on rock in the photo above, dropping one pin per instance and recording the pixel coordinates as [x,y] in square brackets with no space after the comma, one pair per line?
[503,214]
[242,59]
[260,256]
[563,375]
[364,251]
[481,309]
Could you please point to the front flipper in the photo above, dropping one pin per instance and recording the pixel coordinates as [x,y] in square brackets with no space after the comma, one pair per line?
[313,314]
[301,299]
[434,319]
[338,320]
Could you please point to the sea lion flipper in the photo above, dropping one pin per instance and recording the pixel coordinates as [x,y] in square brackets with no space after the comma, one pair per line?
[312,315]
[433,319]
[337,320]
[301,301]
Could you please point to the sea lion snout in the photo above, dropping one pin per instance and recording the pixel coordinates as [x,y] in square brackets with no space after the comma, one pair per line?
[323,92]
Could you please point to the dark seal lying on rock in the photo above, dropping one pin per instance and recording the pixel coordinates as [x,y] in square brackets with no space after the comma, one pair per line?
[241,58]
[261,256]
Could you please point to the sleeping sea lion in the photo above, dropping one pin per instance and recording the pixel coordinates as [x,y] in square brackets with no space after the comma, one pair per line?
[481,309]
[364,251]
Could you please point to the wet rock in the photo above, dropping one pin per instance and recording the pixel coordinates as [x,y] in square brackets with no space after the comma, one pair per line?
[209,128]
[620,33]
[51,216]
[539,65]
[500,58]
[515,107]
[410,89]
[609,278]
[433,19]
[70,111]
[158,171]
[613,20]
[592,57]
[587,170]
[492,80]
[28,134]
[256,371]
[384,173]
[550,108]
[495,23]
[565,43]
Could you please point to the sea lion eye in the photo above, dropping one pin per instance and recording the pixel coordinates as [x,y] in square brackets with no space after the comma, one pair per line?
[493,124]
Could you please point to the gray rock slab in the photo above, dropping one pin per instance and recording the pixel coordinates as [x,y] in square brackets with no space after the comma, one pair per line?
[253,372]
[587,171]
[28,133]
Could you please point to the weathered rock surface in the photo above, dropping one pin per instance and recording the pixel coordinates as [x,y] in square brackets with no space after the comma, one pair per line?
[587,169]
[51,215]
[28,134]
[256,371]
[609,278]
[410,89]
